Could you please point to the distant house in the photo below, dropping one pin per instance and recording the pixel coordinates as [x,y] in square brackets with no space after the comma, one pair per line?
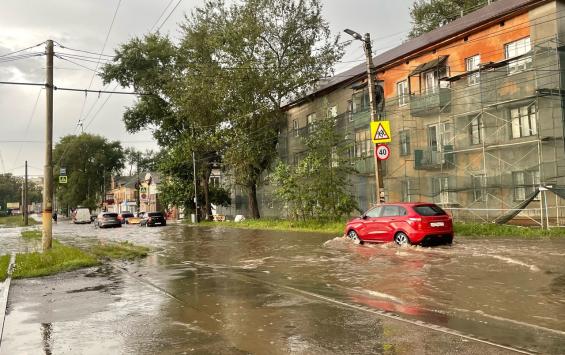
[123,195]
[149,193]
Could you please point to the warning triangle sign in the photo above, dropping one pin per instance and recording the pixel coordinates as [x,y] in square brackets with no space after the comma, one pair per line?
[381,133]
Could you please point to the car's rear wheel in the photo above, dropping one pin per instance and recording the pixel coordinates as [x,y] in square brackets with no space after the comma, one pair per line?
[401,238]
[354,237]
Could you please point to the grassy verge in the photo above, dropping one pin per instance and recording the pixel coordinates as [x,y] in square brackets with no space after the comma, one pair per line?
[123,251]
[284,225]
[475,230]
[15,221]
[63,258]
[60,258]
[4,262]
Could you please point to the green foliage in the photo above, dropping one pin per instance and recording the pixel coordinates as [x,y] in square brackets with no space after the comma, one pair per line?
[15,221]
[428,15]
[316,226]
[31,234]
[4,263]
[58,259]
[504,230]
[11,190]
[219,92]
[122,251]
[90,160]
[318,186]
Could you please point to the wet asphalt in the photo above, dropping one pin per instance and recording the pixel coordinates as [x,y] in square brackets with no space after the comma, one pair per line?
[215,290]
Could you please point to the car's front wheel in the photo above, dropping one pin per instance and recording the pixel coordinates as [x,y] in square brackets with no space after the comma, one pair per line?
[354,237]
[401,238]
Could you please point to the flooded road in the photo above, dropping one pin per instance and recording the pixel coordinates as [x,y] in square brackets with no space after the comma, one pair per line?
[217,290]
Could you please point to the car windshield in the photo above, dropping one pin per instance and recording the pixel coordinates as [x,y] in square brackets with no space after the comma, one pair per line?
[110,215]
[429,210]
[127,214]
[155,214]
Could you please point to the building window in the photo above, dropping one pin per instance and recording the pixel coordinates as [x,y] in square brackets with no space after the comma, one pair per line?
[440,135]
[430,82]
[360,101]
[525,183]
[472,64]
[295,127]
[479,184]
[332,112]
[363,143]
[311,122]
[404,143]
[406,187]
[350,110]
[476,130]
[523,120]
[402,92]
[515,49]
[440,190]
[215,181]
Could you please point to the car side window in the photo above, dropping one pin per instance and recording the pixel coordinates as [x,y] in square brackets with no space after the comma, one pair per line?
[390,211]
[374,212]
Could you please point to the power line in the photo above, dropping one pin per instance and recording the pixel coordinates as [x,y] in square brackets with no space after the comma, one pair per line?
[21,50]
[169,15]
[28,124]
[160,16]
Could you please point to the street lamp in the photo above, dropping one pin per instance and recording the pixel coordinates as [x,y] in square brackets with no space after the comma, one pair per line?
[372,105]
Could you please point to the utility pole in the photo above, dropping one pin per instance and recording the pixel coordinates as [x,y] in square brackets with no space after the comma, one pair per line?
[47,238]
[26,217]
[372,104]
[195,191]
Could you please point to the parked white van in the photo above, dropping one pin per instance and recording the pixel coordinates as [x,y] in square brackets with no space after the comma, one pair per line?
[81,215]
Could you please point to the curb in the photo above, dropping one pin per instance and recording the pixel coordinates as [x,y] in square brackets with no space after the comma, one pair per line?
[4,300]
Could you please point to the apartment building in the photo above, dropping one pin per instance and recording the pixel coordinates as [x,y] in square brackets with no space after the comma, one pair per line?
[476,113]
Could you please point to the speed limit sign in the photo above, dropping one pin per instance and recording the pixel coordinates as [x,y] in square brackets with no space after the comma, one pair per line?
[382,151]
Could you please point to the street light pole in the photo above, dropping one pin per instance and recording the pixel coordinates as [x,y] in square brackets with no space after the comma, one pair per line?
[47,237]
[372,104]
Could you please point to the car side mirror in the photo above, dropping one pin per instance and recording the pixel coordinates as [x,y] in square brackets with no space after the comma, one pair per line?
[364,216]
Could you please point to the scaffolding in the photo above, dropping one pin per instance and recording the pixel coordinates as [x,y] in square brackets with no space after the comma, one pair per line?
[481,142]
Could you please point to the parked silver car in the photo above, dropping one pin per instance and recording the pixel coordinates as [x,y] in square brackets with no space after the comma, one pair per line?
[107,219]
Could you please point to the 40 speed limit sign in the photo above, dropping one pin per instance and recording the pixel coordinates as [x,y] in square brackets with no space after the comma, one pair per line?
[382,152]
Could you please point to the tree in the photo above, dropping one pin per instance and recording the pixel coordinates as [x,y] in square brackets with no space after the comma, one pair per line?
[318,186]
[181,101]
[89,161]
[271,52]
[11,190]
[428,15]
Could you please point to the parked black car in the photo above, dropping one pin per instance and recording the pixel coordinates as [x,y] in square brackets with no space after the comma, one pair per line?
[151,219]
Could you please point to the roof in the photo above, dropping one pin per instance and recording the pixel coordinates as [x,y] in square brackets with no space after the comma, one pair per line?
[484,15]
[127,181]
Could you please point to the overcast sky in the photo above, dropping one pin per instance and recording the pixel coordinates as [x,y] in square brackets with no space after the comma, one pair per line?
[84,25]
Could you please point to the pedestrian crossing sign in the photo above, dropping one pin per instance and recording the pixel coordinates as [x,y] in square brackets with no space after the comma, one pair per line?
[380,132]
[62,179]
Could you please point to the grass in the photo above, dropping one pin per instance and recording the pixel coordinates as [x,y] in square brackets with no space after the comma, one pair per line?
[284,225]
[31,235]
[123,251]
[60,258]
[474,230]
[63,257]
[477,230]
[15,221]
[4,262]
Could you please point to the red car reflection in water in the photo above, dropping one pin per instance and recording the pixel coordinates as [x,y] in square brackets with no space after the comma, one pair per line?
[403,223]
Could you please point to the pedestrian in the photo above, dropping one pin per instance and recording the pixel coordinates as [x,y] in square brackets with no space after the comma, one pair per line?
[55,216]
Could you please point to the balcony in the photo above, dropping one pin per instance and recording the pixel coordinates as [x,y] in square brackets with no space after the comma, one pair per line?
[427,159]
[430,103]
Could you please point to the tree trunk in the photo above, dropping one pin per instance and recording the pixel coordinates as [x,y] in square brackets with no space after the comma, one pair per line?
[252,201]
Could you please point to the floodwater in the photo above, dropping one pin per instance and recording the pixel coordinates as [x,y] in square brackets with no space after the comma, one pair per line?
[218,290]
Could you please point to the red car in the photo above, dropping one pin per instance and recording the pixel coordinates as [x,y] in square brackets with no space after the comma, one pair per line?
[403,223]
